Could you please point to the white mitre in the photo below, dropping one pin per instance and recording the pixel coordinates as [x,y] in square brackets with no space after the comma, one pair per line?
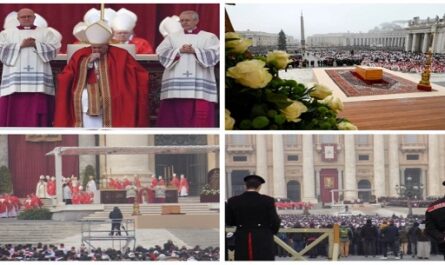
[98,33]
[123,22]
[79,31]
[129,13]
[170,25]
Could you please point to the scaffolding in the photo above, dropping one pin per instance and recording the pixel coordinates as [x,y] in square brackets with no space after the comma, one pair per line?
[93,231]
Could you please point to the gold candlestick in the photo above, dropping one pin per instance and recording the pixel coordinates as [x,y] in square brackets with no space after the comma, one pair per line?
[424,83]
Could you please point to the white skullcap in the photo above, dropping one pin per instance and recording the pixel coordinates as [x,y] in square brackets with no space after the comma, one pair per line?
[40,21]
[127,12]
[160,177]
[170,25]
[79,31]
[11,21]
[98,33]
[123,22]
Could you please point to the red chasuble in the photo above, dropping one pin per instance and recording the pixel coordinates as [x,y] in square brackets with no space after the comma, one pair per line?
[142,46]
[123,90]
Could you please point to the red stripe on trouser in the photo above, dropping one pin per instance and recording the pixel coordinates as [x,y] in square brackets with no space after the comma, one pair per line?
[250,246]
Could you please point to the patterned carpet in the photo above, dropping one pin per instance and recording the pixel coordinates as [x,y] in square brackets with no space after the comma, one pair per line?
[353,86]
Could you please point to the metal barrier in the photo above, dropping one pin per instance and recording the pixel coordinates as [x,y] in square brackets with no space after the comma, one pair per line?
[333,235]
[94,231]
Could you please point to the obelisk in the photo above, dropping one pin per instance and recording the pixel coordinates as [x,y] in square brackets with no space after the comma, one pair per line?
[303,42]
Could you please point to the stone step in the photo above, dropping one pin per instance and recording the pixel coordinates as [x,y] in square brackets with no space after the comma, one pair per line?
[22,231]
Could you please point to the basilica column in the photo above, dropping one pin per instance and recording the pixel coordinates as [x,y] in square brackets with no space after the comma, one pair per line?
[394,170]
[261,162]
[408,42]
[350,169]
[379,166]
[308,169]
[4,161]
[279,182]
[414,44]
[85,160]
[433,185]
[425,42]
[228,183]
[442,160]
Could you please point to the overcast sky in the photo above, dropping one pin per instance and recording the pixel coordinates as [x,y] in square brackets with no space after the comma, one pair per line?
[325,18]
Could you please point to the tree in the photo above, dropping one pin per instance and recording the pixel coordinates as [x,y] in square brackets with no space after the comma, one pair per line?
[5,180]
[282,41]
[88,171]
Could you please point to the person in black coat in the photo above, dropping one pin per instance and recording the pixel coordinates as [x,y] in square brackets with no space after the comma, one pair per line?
[369,236]
[116,220]
[256,221]
[435,222]
[390,238]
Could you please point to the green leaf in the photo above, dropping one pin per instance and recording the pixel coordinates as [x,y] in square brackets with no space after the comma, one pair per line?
[280,119]
[271,113]
[280,100]
[260,122]
[292,83]
[245,124]
[259,110]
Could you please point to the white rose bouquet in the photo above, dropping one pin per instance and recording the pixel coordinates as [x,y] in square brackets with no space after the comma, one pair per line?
[258,99]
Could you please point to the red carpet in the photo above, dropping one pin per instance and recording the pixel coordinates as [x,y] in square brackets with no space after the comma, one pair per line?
[353,86]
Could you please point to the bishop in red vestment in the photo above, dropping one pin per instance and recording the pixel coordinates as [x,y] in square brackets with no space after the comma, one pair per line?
[122,93]
[102,86]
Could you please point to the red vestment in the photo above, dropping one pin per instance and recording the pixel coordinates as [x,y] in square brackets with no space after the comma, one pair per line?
[126,183]
[51,188]
[3,207]
[112,184]
[137,183]
[75,198]
[75,189]
[175,182]
[36,202]
[118,185]
[123,84]
[85,198]
[154,183]
[15,201]
[142,45]
[28,204]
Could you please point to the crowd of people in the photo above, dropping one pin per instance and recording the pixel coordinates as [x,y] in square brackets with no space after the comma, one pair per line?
[368,236]
[45,252]
[393,60]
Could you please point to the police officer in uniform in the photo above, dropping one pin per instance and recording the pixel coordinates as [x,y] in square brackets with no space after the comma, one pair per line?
[435,222]
[256,221]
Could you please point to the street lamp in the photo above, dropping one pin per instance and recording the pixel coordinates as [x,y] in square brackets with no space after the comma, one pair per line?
[408,191]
